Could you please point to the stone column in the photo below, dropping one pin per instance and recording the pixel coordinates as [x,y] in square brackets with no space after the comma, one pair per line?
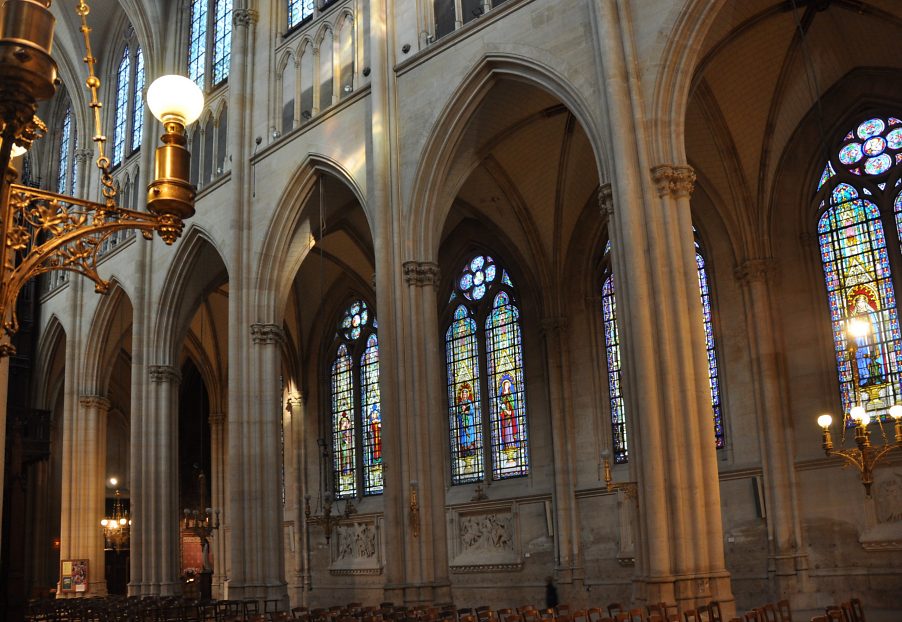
[666,385]
[218,498]
[295,492]
[255,504]
[421,425]
[566,528]
[787,560]
[84,489]
[155,512]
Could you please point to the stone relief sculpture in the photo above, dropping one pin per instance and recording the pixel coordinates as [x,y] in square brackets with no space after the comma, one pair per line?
[889,499]
[356,549]
[489,531]
[485,540]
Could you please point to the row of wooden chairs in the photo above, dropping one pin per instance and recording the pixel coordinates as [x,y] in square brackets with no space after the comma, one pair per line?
[849,611]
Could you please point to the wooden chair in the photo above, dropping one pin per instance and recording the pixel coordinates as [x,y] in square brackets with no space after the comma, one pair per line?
[622,616]
[835,614]
[279,616]
[857,609]
[690,615]
[580,616]
[562,610]
[614,608]
[594,614]
[467,617]
[752,616]
[714,611]
[784,611]
[768,613]
[819,619]
[511,617]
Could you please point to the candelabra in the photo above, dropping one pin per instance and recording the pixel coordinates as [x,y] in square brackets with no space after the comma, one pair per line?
[204,521]
[116,528]
[44,231]
[864,456]
[327,519]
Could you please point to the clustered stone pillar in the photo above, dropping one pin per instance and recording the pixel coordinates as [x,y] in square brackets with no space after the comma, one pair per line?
[255,504]
[296,491]
[219,494]
[788,562]
[421,428]
[84,488]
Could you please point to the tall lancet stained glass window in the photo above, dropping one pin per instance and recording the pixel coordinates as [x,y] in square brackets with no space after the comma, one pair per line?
[488,429]
[356,409]
[210,42]
[713,371]
[122,96]
[615,385]
[860,199]
[299,10]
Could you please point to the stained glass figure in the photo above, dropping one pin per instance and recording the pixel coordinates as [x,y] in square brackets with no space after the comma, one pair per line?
[197,42]
[464,409]
[713,373]
[615,387]
[483,290]
[138,101]
[62,178]
[504,354]
[299,10]
[356,426]
[372,418]
[343,419]
[859,288]
[122,97]
[222,40]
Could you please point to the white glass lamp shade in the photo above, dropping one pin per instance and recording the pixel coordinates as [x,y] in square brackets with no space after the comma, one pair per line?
[104,522]
[175,98]
[824,421]
[896,412]
[857,413]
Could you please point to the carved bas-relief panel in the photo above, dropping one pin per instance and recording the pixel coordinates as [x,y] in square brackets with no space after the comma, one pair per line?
[356,548]
[485,539]
[886,533]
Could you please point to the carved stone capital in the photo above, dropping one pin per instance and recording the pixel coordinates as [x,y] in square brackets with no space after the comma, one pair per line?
[754,270]
[606,201]
[244,17]
[421,273]
[676,181]
[83,155]
[95,401]
[267,334]
[164,373]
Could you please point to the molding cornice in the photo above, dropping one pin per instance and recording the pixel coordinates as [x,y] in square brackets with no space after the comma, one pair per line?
[421,273]
[164,373]
[675,181]
[267,334]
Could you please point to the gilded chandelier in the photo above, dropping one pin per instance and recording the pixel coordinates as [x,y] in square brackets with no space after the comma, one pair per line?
[44,231]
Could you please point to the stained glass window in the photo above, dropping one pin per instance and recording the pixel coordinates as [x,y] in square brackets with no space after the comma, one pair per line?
[356,425]
[122,97]
[138,107]
[299,10]
[197,42]
[713,372]
[62,179]
[484,332]
[615,386]
[857,273]
[222,40]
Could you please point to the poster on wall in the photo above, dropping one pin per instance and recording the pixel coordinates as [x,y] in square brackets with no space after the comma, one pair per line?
[74,575]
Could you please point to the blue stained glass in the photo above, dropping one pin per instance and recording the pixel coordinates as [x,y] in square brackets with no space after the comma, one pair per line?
[827,174]
[505,278]
[138,106]
[612,348]
[719,439]
[871,127]
[197,42]
[505,374]
[222,40]
[850,154]
[122,96]
[843,193]
[62,180]
[500,416]
[894,139]
[878,165]
[344,453]
[299,10]
[372,418]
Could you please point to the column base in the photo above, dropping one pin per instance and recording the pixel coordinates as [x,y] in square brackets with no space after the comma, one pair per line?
[418,593]
[273,591]
[688,591]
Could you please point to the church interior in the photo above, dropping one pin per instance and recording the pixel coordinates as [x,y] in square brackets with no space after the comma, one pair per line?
[473,301]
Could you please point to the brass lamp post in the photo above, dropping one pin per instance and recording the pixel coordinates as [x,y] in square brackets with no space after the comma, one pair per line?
[864,456]
[42,231]
[327,519]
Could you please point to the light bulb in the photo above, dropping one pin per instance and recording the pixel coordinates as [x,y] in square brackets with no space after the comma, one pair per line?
[122,521]
[896,411]
[104,522]
[857,413]
[113,481]
[175,98]
[824,421]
